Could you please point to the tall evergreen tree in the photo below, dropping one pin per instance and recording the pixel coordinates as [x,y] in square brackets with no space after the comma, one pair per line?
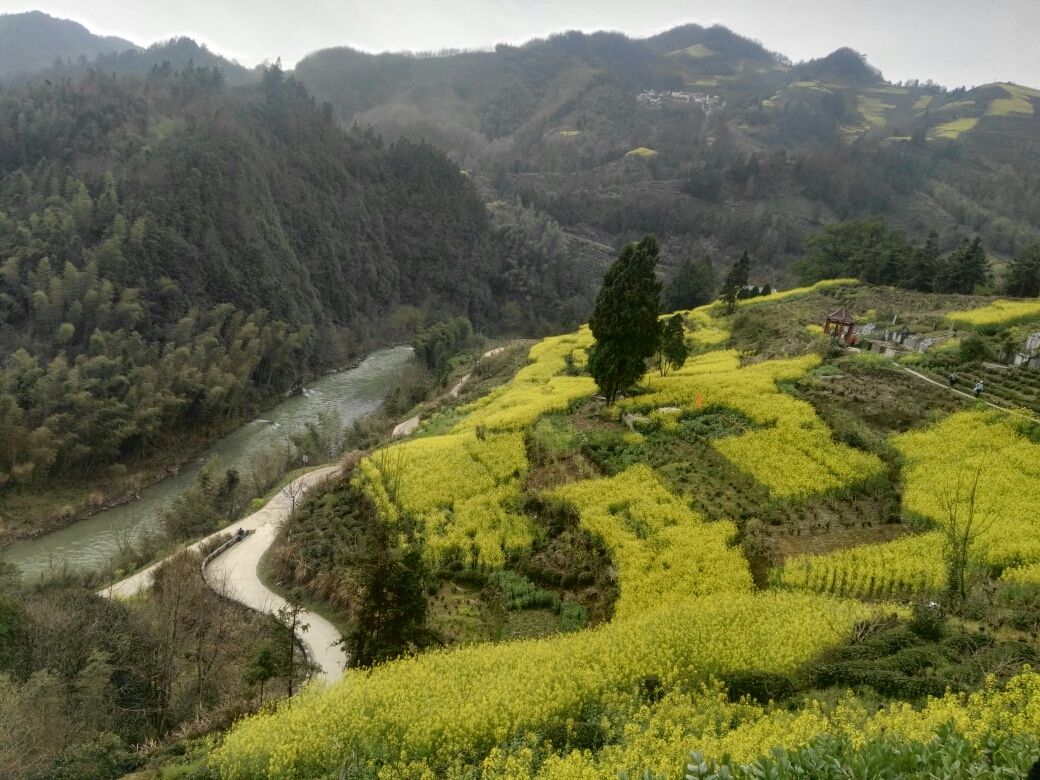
[923,265]
[673,351]
[736,280]
[1023,273]
[391,619]
[624,320]
[965,268]
[693,286]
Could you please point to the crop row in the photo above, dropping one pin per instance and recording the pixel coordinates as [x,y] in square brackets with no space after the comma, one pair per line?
[909,565]
[972,465]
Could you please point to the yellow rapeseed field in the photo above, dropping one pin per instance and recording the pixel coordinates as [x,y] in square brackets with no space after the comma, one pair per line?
[996,314]
[660,736]
[537,389]
[662,549]
[794,455]
[1008,466]
[459,488]
[954,450]
[687,608]
[462,488]
[439,705]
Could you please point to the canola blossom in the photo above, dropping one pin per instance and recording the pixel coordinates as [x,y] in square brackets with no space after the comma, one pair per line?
[537,389]
[706,330]
[793,454]
[459,488]
[660,736]
[941,463]
[1027,575]
[463,488]
[1008,468]
[910,565]
[440,704]
[796,292]
[997,314]
[686,609]
[662,549]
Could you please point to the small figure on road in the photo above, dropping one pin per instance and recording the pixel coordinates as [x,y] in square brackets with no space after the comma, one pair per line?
[979,388]
[953,379]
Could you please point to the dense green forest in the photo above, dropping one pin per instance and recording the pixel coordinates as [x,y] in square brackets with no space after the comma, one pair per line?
[175,254]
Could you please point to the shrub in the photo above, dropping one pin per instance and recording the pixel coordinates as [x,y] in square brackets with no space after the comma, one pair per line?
[973,349]
[927,622]
[106,758]
[762,687]
[573,617]
[521,593]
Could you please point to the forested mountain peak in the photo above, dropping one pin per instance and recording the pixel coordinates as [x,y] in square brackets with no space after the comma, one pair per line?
[33,40]
[844,64]
[717,40]
[173,253]
[708,140]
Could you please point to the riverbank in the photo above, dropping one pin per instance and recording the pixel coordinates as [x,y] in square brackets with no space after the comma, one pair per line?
[253,457]
[29,512]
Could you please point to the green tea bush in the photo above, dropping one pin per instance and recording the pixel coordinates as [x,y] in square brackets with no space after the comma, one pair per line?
[573,617]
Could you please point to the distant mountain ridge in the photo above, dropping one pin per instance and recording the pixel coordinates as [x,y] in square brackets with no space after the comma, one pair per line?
[35,46]
[33,41]
[697,134]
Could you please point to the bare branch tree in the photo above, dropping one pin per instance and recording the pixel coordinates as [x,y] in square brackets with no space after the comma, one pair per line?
[965,519]
[293,491]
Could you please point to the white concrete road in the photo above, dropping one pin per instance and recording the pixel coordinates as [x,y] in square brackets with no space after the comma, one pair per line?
[233,575]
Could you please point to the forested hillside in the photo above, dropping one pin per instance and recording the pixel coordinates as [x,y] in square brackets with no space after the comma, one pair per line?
[708,140]
[174,255]
[698,135]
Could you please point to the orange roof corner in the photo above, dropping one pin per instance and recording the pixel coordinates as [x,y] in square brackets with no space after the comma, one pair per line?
[841,315]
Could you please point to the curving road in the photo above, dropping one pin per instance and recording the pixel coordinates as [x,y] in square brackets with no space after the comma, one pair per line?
[233,575]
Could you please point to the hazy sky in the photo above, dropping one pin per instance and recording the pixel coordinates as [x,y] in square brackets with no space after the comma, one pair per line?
[955,42]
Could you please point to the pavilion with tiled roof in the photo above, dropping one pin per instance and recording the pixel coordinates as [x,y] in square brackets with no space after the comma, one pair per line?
[840,324]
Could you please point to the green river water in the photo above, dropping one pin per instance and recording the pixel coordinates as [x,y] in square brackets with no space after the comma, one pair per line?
[91,543]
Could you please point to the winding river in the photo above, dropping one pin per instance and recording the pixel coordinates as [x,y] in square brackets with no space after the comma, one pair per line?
[91,543]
